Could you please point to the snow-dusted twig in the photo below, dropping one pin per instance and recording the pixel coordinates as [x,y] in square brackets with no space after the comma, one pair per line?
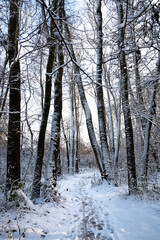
[56,70]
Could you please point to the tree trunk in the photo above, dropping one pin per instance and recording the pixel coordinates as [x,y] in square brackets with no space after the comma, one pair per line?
[100,101]
[13,147]
[44,120]
[117,140]
[71,145]
[132,180]
[76,139]
[3,96]
[110,111]
[151,114]
[54,151]
[67,144]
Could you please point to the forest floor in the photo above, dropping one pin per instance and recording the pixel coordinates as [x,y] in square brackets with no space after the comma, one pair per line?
[87,209]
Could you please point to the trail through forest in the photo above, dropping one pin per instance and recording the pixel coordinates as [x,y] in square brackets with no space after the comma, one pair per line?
[87,210]
[88,220]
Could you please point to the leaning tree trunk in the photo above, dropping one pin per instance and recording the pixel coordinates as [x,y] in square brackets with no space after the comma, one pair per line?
[3,94]
[89,122]
[100,100]
[110,110]
[44,120]
[85,105]
[13,147]
[41,137]
[132,180]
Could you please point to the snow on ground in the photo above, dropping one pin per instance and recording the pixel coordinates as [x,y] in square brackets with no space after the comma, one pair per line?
[87,211]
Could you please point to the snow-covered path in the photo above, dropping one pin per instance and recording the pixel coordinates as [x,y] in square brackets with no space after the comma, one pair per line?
[87,218]
[86,212]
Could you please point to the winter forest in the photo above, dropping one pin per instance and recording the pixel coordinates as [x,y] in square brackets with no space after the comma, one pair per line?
[79,119]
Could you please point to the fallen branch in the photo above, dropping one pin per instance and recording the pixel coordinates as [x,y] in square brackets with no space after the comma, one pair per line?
[23,198]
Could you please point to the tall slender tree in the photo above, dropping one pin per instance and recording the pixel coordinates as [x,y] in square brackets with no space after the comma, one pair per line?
[45,113]
[76,139]
[13,147]
[72,135]
[100,99]
[151,114]
[132,178]
[54,151]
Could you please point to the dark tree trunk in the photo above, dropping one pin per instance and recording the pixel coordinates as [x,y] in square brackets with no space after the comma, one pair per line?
[13,147]
[54,160]
[44,120]
[132,180]
[151,114]
[100,100]
[54,153]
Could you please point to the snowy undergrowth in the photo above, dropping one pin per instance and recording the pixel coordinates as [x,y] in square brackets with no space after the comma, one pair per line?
[88,209]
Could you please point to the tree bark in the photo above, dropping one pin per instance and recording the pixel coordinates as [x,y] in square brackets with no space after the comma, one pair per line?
[13,146]
[100,100]
[117,140]
[67,144]
[110,112]
[54,151]
[46,107]
[72,135]
[151,114]
[132,179]
[76,139]
[4,94]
